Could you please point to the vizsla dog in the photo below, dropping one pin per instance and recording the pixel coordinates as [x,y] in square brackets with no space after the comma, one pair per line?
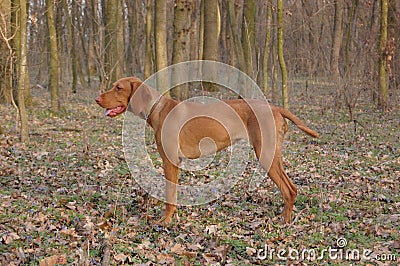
[223,122]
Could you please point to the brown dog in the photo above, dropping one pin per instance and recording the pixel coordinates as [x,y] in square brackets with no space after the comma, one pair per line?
[224,122]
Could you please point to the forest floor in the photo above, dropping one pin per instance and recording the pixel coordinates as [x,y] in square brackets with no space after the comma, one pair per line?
[68,196]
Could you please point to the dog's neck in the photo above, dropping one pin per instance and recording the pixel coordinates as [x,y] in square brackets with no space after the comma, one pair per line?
[153,105]
[159,105]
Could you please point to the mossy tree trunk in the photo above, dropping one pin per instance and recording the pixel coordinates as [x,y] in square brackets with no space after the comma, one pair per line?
[383,94]
[201,30]
[22,73]
[54,66]
[238,47]
[114,38]
[267,48]
[285,94]
[248,35]
[16,43]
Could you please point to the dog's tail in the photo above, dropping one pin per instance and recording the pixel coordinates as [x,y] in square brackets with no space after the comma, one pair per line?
[300,124]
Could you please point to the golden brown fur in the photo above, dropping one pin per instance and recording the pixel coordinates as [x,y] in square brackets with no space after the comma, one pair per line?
[163,113]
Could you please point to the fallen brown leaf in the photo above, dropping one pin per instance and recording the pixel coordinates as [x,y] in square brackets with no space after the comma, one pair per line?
[8,238]
[177,249]
[120,257]
[53,260]
[165,259]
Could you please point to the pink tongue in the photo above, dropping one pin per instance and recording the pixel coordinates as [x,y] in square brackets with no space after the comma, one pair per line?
[108,111]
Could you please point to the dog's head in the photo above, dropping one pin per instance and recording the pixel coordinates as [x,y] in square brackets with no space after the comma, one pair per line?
[116,100]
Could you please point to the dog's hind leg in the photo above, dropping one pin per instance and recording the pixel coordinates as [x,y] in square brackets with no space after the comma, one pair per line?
[276,171]
[286,187]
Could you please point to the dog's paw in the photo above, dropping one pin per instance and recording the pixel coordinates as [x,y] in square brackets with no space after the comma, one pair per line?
[164,221]
[280,221]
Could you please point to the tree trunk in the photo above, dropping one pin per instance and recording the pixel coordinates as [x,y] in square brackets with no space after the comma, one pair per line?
[248,35]
[80,50]
[194,37]
[5,51]
[180,51]
[383,95]
[54,75]
[201,30]
[134,38]
[114,37]
[274,63]
[92,29]
[71,42]
[22,73]
[336,40]
[392,46]
[148,63]
[352,19]
[274,73]
[267,48]
[235,34]
[211,28]
[285,94]
[160,35]
[17,40]
[210,41]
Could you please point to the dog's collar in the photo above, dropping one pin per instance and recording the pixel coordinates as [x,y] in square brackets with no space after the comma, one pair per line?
[147,116]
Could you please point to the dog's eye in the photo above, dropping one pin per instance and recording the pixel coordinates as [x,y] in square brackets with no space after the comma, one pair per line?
[118,88]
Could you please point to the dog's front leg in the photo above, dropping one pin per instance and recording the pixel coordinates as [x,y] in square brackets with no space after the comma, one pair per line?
[171,175]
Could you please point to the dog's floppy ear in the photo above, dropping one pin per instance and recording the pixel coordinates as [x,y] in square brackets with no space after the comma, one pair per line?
[135,84]
[140,99]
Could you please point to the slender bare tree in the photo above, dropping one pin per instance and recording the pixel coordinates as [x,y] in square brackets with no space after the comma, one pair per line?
[248,35]
[352,18]
[22,73]
[54,75]
[267,48]
[160,36]
[109,37]
[71,40]
[383,94]
[114,38]
[148,63]
[6,52]
[284,78]
[238,47]
[92,19]
[337,37]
